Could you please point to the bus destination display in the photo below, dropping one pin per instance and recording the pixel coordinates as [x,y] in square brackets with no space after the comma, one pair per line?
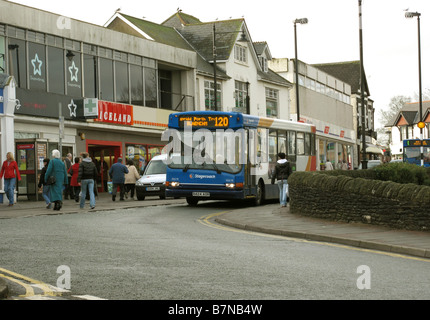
[203,121]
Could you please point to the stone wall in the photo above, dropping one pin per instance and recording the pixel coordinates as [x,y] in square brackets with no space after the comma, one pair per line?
[342,198]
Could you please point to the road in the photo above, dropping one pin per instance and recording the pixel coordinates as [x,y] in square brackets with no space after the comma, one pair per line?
[176,252]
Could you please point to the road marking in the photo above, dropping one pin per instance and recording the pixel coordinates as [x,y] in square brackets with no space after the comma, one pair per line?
[204,220]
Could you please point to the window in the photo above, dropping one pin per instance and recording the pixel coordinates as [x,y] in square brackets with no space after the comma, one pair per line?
[2,55]
[121,81]
[150,87]
[273,146]
[56,70]
[165,78]
[106,79]
[264,64]
[271,102]
[240,53]
[37,66]
[282,142]
[291,143]
[90,76]
[136,85]
[241,95]
[300,143]
[209,95]
[73,74]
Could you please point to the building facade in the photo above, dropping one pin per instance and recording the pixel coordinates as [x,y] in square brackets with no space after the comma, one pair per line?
[82,87]
[404,126]
[325,101]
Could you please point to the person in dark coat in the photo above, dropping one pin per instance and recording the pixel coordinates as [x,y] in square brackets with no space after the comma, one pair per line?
[282,172]
[46,194]
[57,169]
[87,177]
[117,173]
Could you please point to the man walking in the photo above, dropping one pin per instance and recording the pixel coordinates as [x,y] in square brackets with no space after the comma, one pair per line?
[117,173]
[87,175]
[282,172]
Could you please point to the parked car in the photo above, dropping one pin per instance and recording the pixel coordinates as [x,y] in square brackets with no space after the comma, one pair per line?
[371,164]
[396,161]
[153,181]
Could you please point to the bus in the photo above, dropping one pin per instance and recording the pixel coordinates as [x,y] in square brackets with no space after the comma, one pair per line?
[230,155]
[412,151]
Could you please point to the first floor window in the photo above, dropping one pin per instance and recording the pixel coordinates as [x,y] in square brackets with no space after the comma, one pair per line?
[210,95]
[271,102]
[241,94]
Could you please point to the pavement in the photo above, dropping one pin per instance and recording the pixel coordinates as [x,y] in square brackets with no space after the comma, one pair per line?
[269,219]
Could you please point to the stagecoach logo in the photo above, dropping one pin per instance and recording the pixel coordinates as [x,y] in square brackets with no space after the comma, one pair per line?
[202,176]
[73,72]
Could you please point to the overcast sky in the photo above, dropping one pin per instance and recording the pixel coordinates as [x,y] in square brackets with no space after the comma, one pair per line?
[390,41]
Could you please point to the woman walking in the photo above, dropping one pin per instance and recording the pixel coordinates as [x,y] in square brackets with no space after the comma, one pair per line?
[74,172]
[46,194]
[57,169]
[10,171]
[130,179]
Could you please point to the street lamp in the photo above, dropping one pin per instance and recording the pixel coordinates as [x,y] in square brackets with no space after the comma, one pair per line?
[243,38]
[420,122]
[361,91]
[300,21]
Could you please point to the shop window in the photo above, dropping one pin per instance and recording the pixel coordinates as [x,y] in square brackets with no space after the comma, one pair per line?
[136,85]
[56,70]
[106,79]
[37,66]
[165,78]
[74,74]
[150,88]
[121,81]
[17,61]
[90,76]
[138,154]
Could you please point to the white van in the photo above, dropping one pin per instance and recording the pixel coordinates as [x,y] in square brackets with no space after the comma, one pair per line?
[153,181]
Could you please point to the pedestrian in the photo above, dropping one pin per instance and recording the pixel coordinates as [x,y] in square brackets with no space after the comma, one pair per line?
[11,172]
[117,173]
[57,169]
[87,176]
[68,191]
[130,179]
[74,172]
[281,173]
[46,194]
[328,165]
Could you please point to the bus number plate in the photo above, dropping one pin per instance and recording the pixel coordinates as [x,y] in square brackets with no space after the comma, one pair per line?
[201,194]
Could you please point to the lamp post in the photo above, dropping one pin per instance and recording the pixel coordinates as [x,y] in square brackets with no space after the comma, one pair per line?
[300,21]
[421,124]
[362,88]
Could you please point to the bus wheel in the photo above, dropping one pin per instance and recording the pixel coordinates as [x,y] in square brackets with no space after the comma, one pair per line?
[260,194]
[192,201]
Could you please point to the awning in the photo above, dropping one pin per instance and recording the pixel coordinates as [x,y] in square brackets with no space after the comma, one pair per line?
[371,148]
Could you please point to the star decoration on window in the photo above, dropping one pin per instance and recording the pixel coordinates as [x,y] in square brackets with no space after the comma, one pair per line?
[73,72]
[37,69]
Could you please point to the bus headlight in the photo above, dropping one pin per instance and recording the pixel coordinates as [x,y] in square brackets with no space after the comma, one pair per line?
[230,185]
[174,184]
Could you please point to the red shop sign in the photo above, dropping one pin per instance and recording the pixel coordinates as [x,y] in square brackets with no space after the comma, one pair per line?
[342,134]
[112,112]
[24,146]
[326,129]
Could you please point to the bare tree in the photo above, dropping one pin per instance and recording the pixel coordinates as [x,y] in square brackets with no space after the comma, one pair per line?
[396,104]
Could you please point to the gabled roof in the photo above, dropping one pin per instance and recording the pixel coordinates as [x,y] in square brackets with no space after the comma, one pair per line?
[348,72]
[261,47]
[200,37]
[180,19]
[409,114]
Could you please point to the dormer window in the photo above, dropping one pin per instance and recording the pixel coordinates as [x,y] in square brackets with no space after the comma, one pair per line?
[264,64]
[240,54]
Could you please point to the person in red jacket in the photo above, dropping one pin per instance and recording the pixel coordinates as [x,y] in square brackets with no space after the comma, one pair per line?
[74,172]
[10,171]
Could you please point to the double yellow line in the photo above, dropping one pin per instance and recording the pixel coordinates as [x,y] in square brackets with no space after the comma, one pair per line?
[27,284]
